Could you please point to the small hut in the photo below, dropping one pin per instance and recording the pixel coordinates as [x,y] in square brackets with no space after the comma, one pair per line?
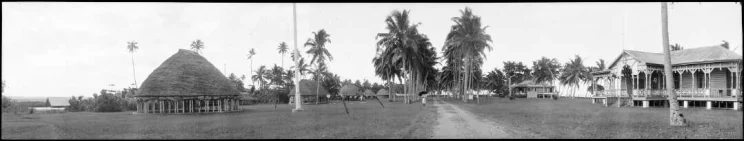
[307,92]
[383,93]
[530,89]
[369,93]
[187,83]
[350,92]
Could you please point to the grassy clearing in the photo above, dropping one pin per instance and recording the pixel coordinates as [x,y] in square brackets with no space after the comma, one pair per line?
[579,118]
[369,120]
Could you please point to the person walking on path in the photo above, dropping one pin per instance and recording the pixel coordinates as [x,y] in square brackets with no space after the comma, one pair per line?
[423,96]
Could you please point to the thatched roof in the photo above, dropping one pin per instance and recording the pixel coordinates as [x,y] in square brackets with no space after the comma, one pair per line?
[350,90]
[369,92]
[710,54]
[382,92]
[186,73]
[531,84]
[308,87]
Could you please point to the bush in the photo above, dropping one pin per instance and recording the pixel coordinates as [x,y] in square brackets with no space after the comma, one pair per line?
[6,104]
[108,103]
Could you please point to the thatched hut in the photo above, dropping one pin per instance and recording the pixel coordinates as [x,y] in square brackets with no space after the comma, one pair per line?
[186,83]
[383,93]
[369,93]
[350,92]
[307,92]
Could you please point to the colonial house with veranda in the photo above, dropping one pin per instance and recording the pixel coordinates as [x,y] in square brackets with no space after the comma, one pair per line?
[703,77]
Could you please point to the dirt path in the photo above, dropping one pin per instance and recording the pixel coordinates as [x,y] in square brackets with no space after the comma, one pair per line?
[457,123]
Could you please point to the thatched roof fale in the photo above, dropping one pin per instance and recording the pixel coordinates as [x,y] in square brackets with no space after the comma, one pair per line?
[349,90]
[186,73]
[383,92]
[369,92]
[308,87]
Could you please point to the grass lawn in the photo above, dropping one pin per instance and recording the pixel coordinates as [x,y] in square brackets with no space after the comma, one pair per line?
[369,120]
[579,118]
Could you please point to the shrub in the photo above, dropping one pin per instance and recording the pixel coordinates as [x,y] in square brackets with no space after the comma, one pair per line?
[6,104]
[107,103]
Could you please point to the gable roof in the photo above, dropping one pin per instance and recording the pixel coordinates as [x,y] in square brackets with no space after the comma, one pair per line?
[531,84]
[308,87]
[58,101]
[710,54]
[186,73]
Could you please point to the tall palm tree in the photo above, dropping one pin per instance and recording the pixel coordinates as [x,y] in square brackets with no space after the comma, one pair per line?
[675,117]
[282,50]
[260,76]
[405,48]
[470,39]
[250,55]
[197,46]
[319,52]
[132,47]
[574,72]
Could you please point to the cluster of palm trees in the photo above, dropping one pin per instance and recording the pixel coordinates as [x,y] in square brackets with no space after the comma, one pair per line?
[403,52]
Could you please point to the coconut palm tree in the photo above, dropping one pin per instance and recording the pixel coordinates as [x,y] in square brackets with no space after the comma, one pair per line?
[675,117]
[574,72]
[470,39]
[132,47]
[250,55]
[404,47]
[319,53]
[260,76]
[197,46]
[282,50]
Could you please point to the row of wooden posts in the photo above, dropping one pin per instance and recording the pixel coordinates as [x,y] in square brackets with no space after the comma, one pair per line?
[187,105]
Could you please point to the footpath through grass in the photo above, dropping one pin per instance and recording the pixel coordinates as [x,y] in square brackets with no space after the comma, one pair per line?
[369,120]
[579,118]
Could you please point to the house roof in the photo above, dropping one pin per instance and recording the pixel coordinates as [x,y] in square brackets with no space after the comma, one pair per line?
[350,90]
[709,54]
[369,92]
[308,87]
[186,73]
[530,84]
[58,101]
[382,92]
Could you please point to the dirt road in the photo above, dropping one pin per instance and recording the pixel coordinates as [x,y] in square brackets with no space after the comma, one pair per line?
[454,122]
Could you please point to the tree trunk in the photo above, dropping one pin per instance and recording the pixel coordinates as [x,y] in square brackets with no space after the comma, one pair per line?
[675,116]
[133,72]
[317,85]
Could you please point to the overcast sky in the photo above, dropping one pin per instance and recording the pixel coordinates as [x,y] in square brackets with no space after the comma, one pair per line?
[65,49]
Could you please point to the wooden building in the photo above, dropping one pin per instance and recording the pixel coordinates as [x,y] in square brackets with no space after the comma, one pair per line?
[308,93]
[533,90]
[187,83]
[704,76]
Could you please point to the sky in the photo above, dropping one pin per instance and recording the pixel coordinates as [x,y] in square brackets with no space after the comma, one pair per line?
[65,49]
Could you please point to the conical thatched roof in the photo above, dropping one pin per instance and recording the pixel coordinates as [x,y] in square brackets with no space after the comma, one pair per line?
[186,73]
[369,92]
[308,88]
[382,92]
[350,90]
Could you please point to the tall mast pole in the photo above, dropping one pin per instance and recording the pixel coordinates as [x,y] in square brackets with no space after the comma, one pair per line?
[298,100]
